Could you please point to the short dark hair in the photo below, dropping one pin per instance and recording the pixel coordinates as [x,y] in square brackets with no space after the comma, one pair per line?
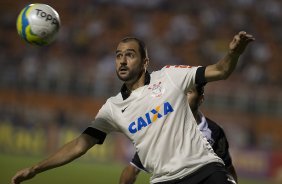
[141,44]
[200,89]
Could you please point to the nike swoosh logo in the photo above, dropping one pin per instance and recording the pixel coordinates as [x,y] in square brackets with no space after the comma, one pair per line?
[122,110]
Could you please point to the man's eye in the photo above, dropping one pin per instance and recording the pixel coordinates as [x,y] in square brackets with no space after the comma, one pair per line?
[131,55]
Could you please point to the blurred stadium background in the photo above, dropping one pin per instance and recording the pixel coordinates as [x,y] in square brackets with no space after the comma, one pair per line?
[48,95]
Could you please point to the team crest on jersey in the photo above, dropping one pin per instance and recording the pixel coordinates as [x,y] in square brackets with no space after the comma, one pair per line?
[157,89]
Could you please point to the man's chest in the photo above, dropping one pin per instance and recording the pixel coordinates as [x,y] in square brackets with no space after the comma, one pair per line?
[145,107]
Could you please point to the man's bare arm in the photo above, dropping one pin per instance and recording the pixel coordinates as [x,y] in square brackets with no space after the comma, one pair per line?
[64,155]
[129,175]
[224,67]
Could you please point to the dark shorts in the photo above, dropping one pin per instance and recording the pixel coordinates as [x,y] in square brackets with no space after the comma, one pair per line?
[213,173]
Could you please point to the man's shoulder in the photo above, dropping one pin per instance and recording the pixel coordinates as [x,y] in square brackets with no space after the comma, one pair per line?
[178,66]
[113,103]
[210,121]
[169,68]
[213,125]
[177,71]
[115,99]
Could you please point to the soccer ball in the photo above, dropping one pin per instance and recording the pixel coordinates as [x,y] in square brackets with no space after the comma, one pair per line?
[38,24]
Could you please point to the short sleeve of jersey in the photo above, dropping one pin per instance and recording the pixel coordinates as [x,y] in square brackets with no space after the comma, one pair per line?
[136,162]
[184,76]
[104,120]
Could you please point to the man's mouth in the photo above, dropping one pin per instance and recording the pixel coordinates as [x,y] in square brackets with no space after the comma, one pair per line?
[123,69]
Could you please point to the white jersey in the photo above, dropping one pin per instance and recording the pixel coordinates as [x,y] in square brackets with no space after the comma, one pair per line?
[158,120]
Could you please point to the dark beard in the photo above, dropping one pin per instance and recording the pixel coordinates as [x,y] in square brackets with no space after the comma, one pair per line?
[131,77]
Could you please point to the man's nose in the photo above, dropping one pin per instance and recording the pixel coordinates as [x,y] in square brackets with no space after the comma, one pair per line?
[123,60]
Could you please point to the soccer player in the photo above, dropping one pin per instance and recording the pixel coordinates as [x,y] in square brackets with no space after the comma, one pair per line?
[152,111]
[210,130]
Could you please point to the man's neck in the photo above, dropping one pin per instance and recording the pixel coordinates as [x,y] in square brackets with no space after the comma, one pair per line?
[136,84]
[127,87]
[197,116]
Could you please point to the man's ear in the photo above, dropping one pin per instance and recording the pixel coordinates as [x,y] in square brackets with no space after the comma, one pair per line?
[146,63]
[202,99]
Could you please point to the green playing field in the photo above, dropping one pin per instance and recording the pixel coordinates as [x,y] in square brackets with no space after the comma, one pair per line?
[77,172]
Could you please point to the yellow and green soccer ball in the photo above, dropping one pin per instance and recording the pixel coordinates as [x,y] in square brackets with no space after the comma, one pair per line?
[38,24]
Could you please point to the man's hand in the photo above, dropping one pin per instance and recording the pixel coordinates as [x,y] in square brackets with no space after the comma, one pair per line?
[239,42]
[23,175]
